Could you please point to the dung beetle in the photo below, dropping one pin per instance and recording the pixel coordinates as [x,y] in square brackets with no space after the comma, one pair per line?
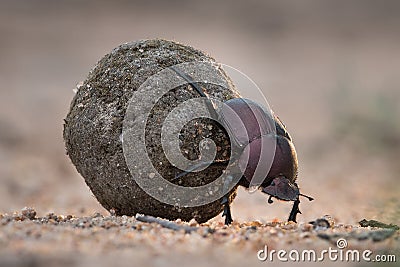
[278,181]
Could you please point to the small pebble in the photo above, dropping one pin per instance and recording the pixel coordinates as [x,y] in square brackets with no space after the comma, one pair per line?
[308,227]
[193,222]
[273,231]
[29,213]
[320,224]
[97,215]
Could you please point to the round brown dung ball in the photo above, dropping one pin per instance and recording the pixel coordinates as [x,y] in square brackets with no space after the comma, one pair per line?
[93,129]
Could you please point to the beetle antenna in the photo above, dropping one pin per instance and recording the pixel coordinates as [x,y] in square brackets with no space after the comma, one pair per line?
[209,104]
[308,197]
[199,89]
[189,80]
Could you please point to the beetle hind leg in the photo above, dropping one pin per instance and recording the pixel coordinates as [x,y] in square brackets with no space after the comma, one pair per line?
[295,211]
[227,210]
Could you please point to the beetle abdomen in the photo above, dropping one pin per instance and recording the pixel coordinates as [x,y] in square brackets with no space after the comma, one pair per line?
[259,154]
[241,112]
[285,161]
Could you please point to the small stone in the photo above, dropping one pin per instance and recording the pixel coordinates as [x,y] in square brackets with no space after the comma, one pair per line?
[193,222]
[29,213]
[289,226]
[112,212]
[320,224]
[97,215]
[273,231]
[204,231]
[330,219]
[304,235]
[255,223]
[308,227]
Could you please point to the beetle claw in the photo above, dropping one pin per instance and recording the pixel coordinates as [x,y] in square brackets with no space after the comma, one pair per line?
[308,197]
[227,215]
[295,211]
[227,211]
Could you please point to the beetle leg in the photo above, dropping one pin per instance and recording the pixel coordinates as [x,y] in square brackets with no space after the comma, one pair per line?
[227,210]
[189,79]
[195,167]
[295,211]
[199,89]
[211,109]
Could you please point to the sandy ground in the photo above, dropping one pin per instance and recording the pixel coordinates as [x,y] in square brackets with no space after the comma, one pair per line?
[330,70]
[81,241]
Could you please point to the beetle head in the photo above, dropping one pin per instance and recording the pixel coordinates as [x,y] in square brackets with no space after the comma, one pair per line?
[283,189]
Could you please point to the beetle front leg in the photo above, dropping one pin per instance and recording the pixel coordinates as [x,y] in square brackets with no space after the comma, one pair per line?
[295,211]
[227,210]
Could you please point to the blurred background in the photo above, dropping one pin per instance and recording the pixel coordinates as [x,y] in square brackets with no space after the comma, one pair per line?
[329,69]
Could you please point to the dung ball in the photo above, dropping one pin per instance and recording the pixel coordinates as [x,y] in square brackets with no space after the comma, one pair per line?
[94,126]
